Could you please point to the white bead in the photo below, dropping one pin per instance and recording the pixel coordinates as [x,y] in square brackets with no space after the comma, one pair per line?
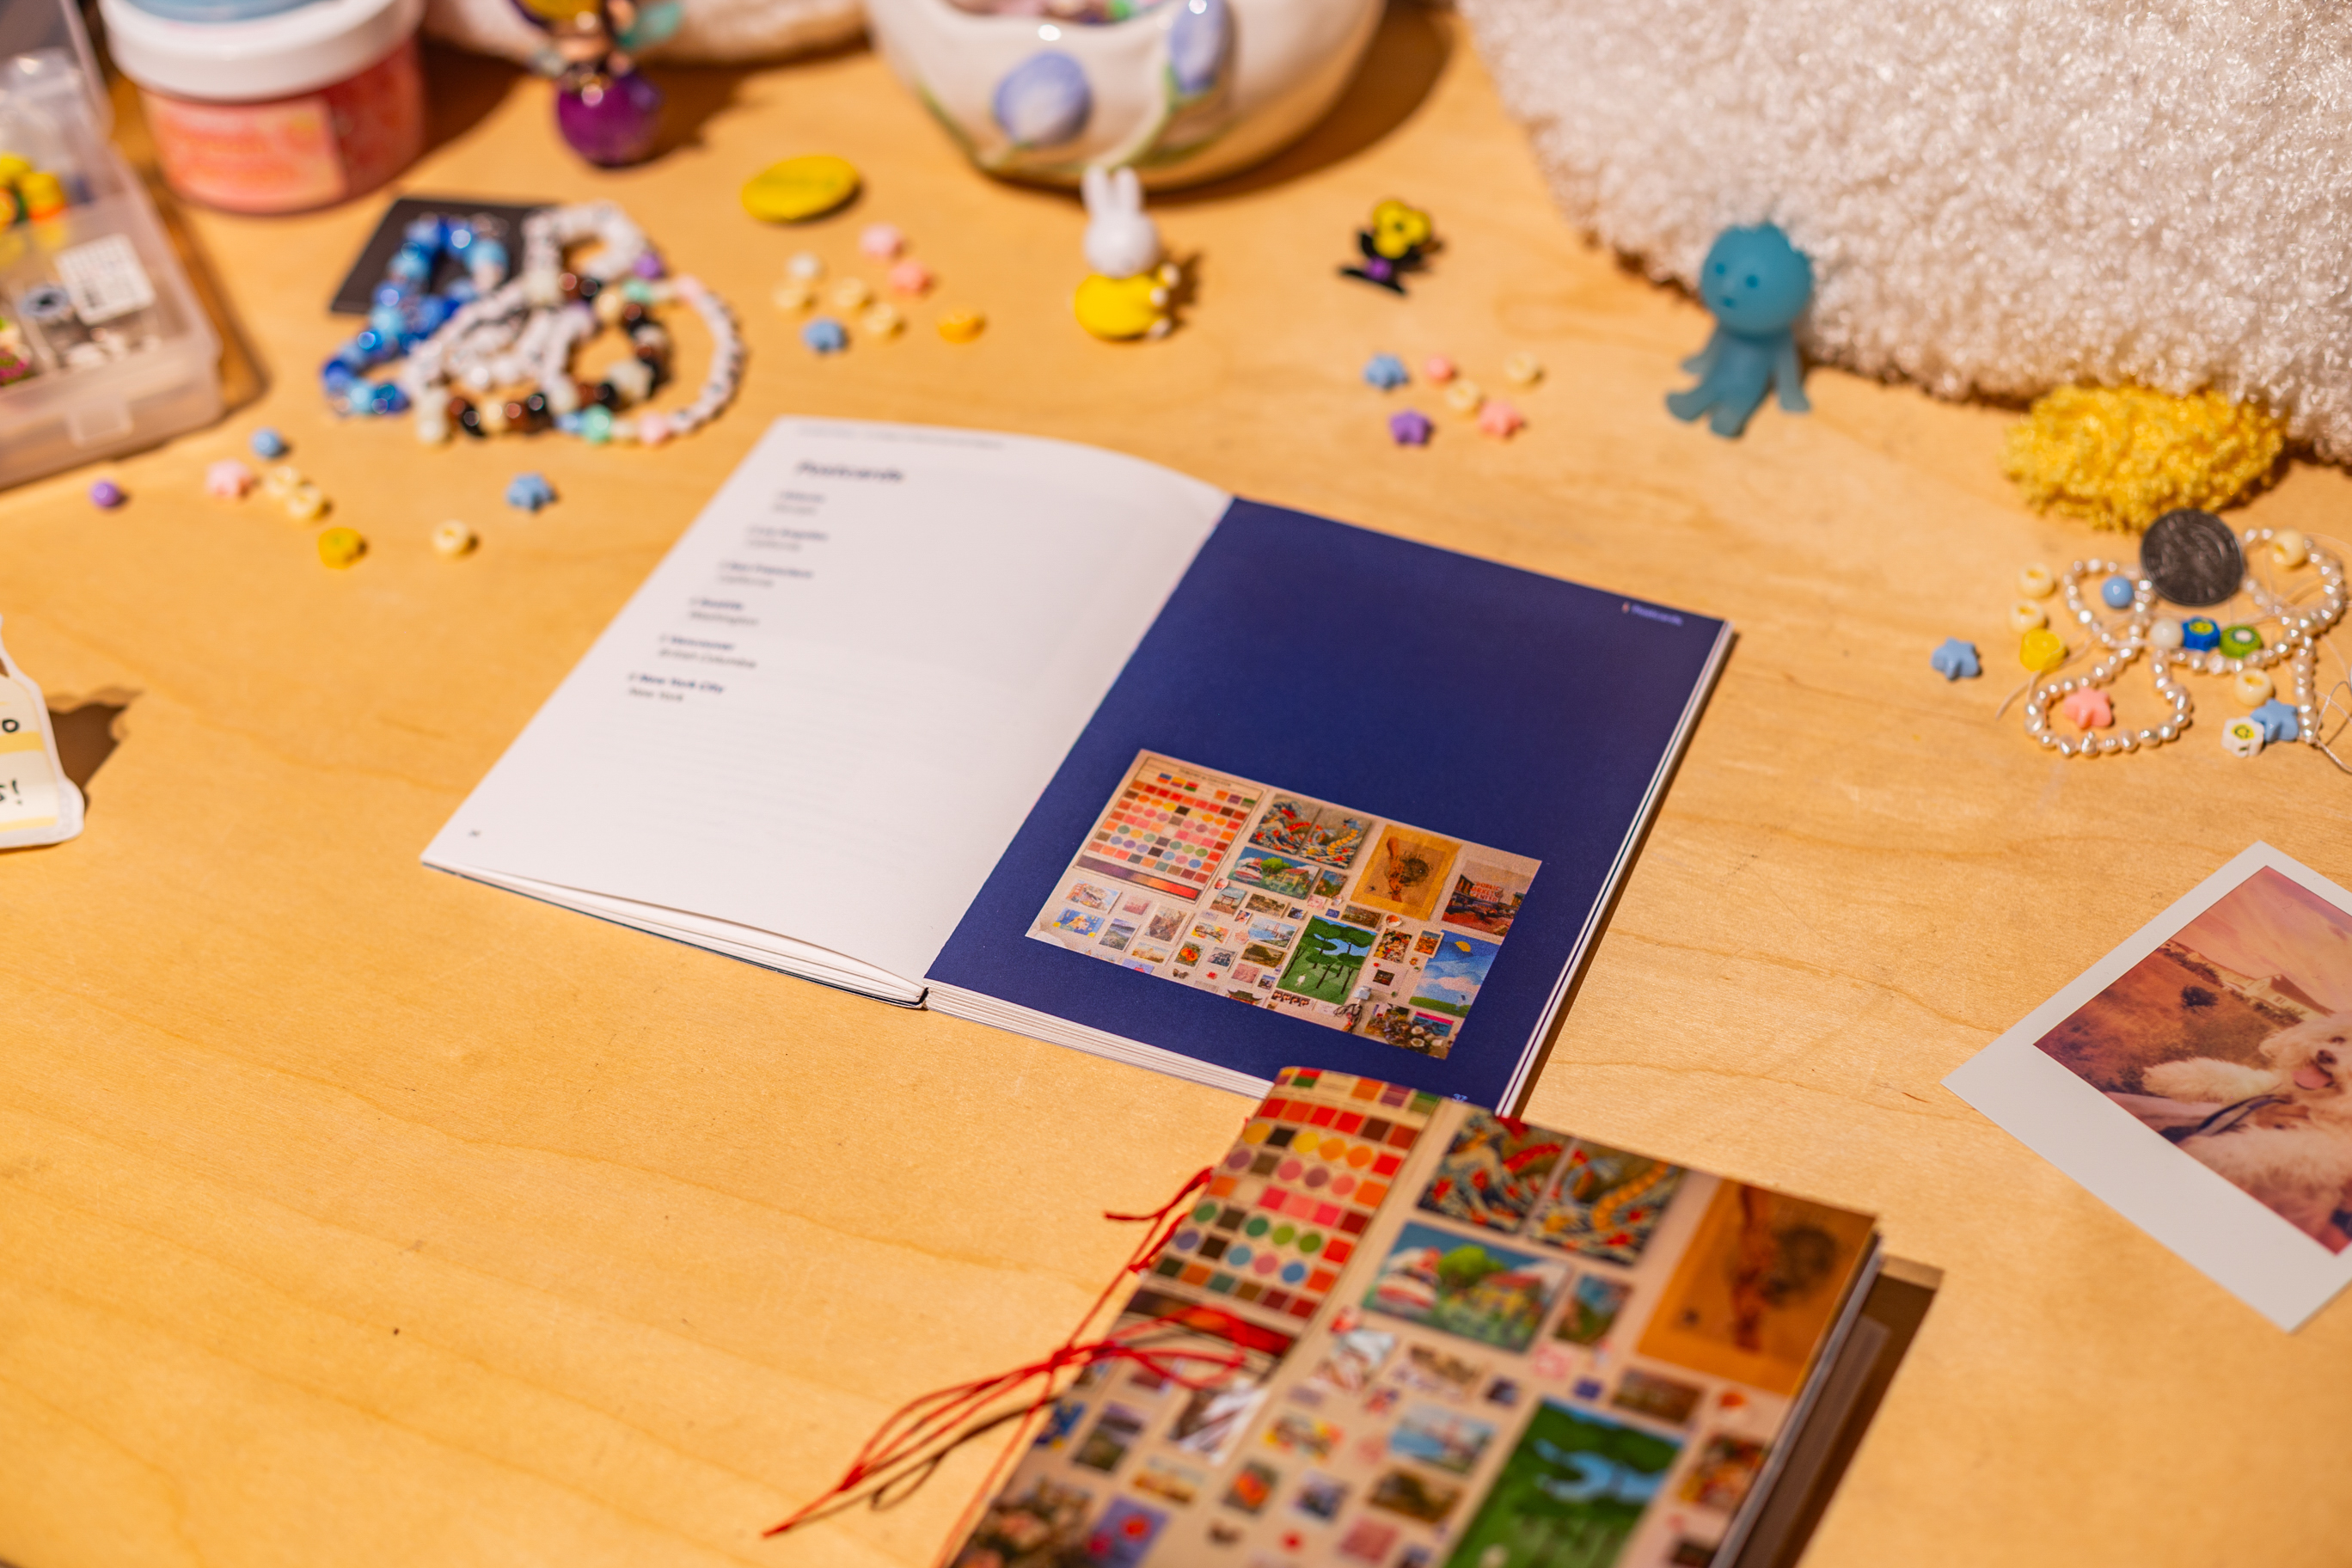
[452,538]
[2289,548]
[2025,615]
[632,378]
[562,395]
[806,266]
[2241,737]
[851,294]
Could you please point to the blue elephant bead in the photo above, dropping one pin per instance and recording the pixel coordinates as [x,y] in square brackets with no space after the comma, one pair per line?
[2117,592]
[2200,634]
[1386,372]
[1198,43]
[1044,100]
[2278,721]
[1955,660]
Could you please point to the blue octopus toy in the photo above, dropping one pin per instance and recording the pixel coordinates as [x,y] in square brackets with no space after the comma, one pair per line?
[1755,284]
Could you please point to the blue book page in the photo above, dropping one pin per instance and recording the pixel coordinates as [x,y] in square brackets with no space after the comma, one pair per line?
[1354,802]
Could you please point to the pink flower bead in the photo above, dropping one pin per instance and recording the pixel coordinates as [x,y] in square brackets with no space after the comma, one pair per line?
[1500,420]
[652,429]
[2087,708]
[228,480]
[881,241]
[910,278]
[1437,368]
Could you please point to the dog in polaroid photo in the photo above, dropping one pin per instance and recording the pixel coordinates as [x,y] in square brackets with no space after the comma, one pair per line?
[2283,1131]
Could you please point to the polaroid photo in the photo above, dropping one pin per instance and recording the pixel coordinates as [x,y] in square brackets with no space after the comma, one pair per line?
[2198,1080]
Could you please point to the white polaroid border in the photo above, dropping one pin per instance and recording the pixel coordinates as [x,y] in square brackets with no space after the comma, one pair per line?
[2232,1236]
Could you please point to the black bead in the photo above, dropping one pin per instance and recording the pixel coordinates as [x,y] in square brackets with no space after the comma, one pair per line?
[605,395]
[536,407]
[632,313]
[590,287]
[469,420]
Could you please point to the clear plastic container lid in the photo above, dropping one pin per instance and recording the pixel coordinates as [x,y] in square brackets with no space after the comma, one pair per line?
[38,41]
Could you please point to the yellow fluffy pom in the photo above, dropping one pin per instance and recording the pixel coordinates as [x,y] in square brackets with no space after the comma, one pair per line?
[2122,457]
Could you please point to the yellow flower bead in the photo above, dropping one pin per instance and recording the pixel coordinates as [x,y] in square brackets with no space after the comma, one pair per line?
[1523,370]
[962,326]
[339,547]
[1464,396]
[2041,651]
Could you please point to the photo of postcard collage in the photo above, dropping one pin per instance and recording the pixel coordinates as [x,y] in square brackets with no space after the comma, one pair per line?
[1277,901]
[1539,1351]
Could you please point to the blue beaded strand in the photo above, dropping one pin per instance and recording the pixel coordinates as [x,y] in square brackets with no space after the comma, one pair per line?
[403,310]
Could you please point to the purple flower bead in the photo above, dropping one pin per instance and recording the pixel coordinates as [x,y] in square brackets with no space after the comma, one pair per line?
[107,493]
[1409,428]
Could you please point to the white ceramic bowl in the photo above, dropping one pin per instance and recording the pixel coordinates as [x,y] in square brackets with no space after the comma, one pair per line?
[1185,92]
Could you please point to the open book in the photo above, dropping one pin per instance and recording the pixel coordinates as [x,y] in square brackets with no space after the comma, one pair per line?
[1067,743]
[1463,1342]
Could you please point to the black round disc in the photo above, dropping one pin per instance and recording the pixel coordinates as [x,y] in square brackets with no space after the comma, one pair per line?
[2192,557]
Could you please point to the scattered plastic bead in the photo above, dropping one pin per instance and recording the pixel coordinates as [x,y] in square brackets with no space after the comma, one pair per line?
[2087,707]
[1501,421]
[2036,583]
[339,547]
[1465,396]
[452,538]
[882,241]
[2279,721]
[1386,372]
[791,296]
[806,266]
[2116,593]
[2042,650]
[1955,660]
[800,188]
[529,492]
[851,293]
[910,278]
[2242,737]
[279,483]
[1438,368]
[228,480]
[267,443]
[1409,428]
[107,494]
[652,429]
[305,502]
[2164,634]
[596,424]
[2239,641]
[2289,548]
[962,326]
[2200,633]
[1523,369]
[825,335]
[2253,687]
[2025,615]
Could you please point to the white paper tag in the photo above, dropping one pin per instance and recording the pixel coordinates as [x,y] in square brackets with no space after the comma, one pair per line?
[105,279]
[38,804]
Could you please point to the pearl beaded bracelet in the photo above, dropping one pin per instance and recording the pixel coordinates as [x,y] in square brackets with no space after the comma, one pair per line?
[525,331]
[2140,630]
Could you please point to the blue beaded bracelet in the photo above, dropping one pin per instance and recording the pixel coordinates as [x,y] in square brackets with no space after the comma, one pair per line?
[405,309]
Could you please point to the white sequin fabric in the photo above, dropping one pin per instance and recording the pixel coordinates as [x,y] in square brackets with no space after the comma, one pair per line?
[1997,197]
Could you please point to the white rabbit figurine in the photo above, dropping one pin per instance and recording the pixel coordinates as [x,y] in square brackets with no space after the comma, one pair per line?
[1121,242]
[1129,292]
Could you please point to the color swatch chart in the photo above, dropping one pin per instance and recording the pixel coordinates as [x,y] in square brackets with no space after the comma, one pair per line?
[1169,829]
[1285,1208]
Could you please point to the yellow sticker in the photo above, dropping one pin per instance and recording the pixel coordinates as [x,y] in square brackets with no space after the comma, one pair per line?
[799,189]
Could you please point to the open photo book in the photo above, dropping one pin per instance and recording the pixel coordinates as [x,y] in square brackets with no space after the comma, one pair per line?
[1444,1339]
[1069,743]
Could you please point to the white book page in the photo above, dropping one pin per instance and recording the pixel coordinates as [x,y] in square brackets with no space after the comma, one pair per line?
[830,708]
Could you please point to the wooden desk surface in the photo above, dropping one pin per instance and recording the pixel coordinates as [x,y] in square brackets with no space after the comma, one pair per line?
[354,1215]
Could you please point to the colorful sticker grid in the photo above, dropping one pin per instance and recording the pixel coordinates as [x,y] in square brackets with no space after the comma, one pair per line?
[1289,903]
[1283,1212]
[1169,828]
